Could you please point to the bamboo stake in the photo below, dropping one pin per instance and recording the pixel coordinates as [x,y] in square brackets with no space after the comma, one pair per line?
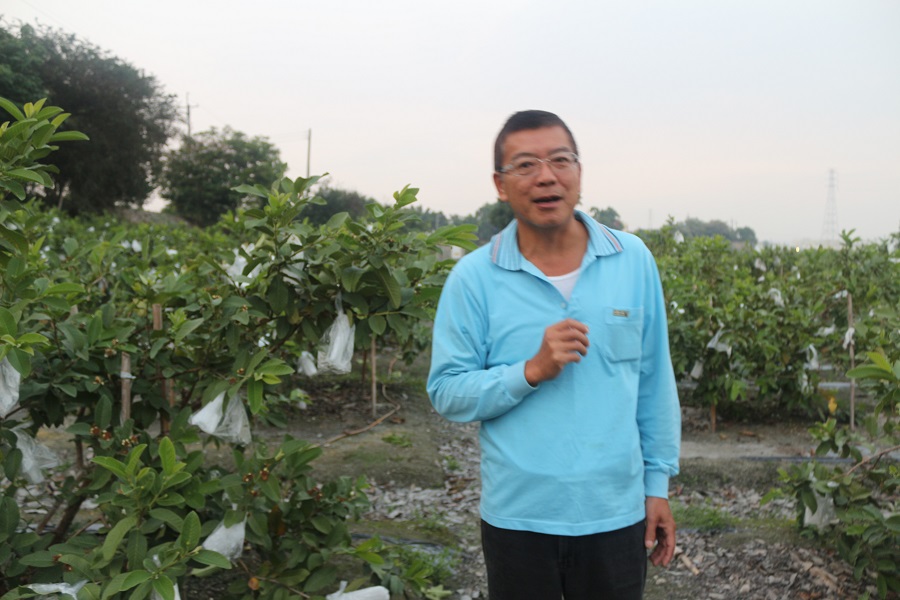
[852,363]
[166,384]
[125,374]
[374,383]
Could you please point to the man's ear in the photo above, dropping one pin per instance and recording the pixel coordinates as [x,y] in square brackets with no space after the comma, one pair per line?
[498,183]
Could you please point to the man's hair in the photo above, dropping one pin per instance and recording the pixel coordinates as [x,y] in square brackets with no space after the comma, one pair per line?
[523,120]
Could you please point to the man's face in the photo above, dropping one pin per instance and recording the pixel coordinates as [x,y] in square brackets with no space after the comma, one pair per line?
[547,198]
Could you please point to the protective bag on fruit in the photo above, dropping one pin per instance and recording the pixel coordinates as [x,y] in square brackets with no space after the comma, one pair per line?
[35,456]
[229,424]
[227,541]
[336,354]
[9,387]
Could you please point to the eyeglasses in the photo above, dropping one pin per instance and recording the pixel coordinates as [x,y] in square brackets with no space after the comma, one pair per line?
[527,166]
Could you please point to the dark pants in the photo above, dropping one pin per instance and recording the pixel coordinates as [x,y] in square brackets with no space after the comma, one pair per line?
[522,565]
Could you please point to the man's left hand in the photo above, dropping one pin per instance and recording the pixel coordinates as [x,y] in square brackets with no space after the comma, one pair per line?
[660,531]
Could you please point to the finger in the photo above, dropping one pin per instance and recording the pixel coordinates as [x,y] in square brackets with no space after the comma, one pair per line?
[663,553]
[650,531]
[665,547]
[573,325]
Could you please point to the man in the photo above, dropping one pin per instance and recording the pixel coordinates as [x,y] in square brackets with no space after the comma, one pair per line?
[554,337]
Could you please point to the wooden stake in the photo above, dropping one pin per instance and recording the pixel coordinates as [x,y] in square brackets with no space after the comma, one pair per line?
[374,383]
[852,363]
[166,384]
[125,373]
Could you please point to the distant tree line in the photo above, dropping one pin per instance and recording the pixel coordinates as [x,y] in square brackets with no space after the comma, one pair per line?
[125,113]
[131,120]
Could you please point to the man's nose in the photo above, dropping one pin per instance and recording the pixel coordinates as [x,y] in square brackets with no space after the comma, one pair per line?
[545,171]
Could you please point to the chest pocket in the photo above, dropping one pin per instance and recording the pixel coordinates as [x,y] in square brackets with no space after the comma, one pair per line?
[621,334]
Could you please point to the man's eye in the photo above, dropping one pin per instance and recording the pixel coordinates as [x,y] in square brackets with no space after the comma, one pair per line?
[524,165]
[561,161]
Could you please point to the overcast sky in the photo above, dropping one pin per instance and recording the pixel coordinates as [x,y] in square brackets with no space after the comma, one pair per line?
[732,110]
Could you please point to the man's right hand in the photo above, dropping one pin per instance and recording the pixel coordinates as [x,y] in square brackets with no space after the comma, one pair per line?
[564,342]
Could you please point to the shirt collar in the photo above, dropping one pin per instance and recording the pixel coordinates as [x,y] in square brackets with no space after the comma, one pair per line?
[602,241]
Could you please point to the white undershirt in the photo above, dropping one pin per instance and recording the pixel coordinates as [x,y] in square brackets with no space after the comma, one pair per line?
[565,283]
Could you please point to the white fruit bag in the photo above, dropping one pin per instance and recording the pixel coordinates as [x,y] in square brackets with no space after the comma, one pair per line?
[227,541]
[337,354]
[9,387]
[307,364]
[230,425]
[35,456]
[371,593]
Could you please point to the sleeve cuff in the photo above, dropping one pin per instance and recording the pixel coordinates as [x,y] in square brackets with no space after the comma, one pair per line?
[516,383]
[656,484]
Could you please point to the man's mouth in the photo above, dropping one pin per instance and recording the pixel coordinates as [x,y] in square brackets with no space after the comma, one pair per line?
[547,199]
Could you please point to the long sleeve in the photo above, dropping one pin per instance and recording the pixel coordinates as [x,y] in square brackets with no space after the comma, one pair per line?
[460,384]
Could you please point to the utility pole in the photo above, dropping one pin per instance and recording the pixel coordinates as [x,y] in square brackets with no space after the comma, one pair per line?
[187,101]
[829,225]
[308,150]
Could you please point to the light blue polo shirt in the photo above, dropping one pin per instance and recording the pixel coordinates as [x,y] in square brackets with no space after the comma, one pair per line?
[578,454]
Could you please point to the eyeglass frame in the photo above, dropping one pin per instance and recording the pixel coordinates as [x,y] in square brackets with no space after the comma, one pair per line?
[508,169]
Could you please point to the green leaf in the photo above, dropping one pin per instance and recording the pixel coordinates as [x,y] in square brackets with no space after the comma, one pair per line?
[9,517]
[405,196]
[134,459]
[321,523]
[163,586]
[275,366]
[377,324]
[337,220]
[26,174]
[129,580]
[20,361]
[42,558]
[187,328]
[12,109]
[103,413]
[136,550]
[869,372]
[252,190]
[115,585]
[8,323]
[111,464]
[211,558]
[167,455]
[350,278]
[177,478]
[893,523]
[320,578]
[391,286]
[142,591]
[277,295]
[64,288]
[880,360]
[168,517]
[115,536]
[33,339]
[255,390]
[68,136]
[19,192]
[190,532]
